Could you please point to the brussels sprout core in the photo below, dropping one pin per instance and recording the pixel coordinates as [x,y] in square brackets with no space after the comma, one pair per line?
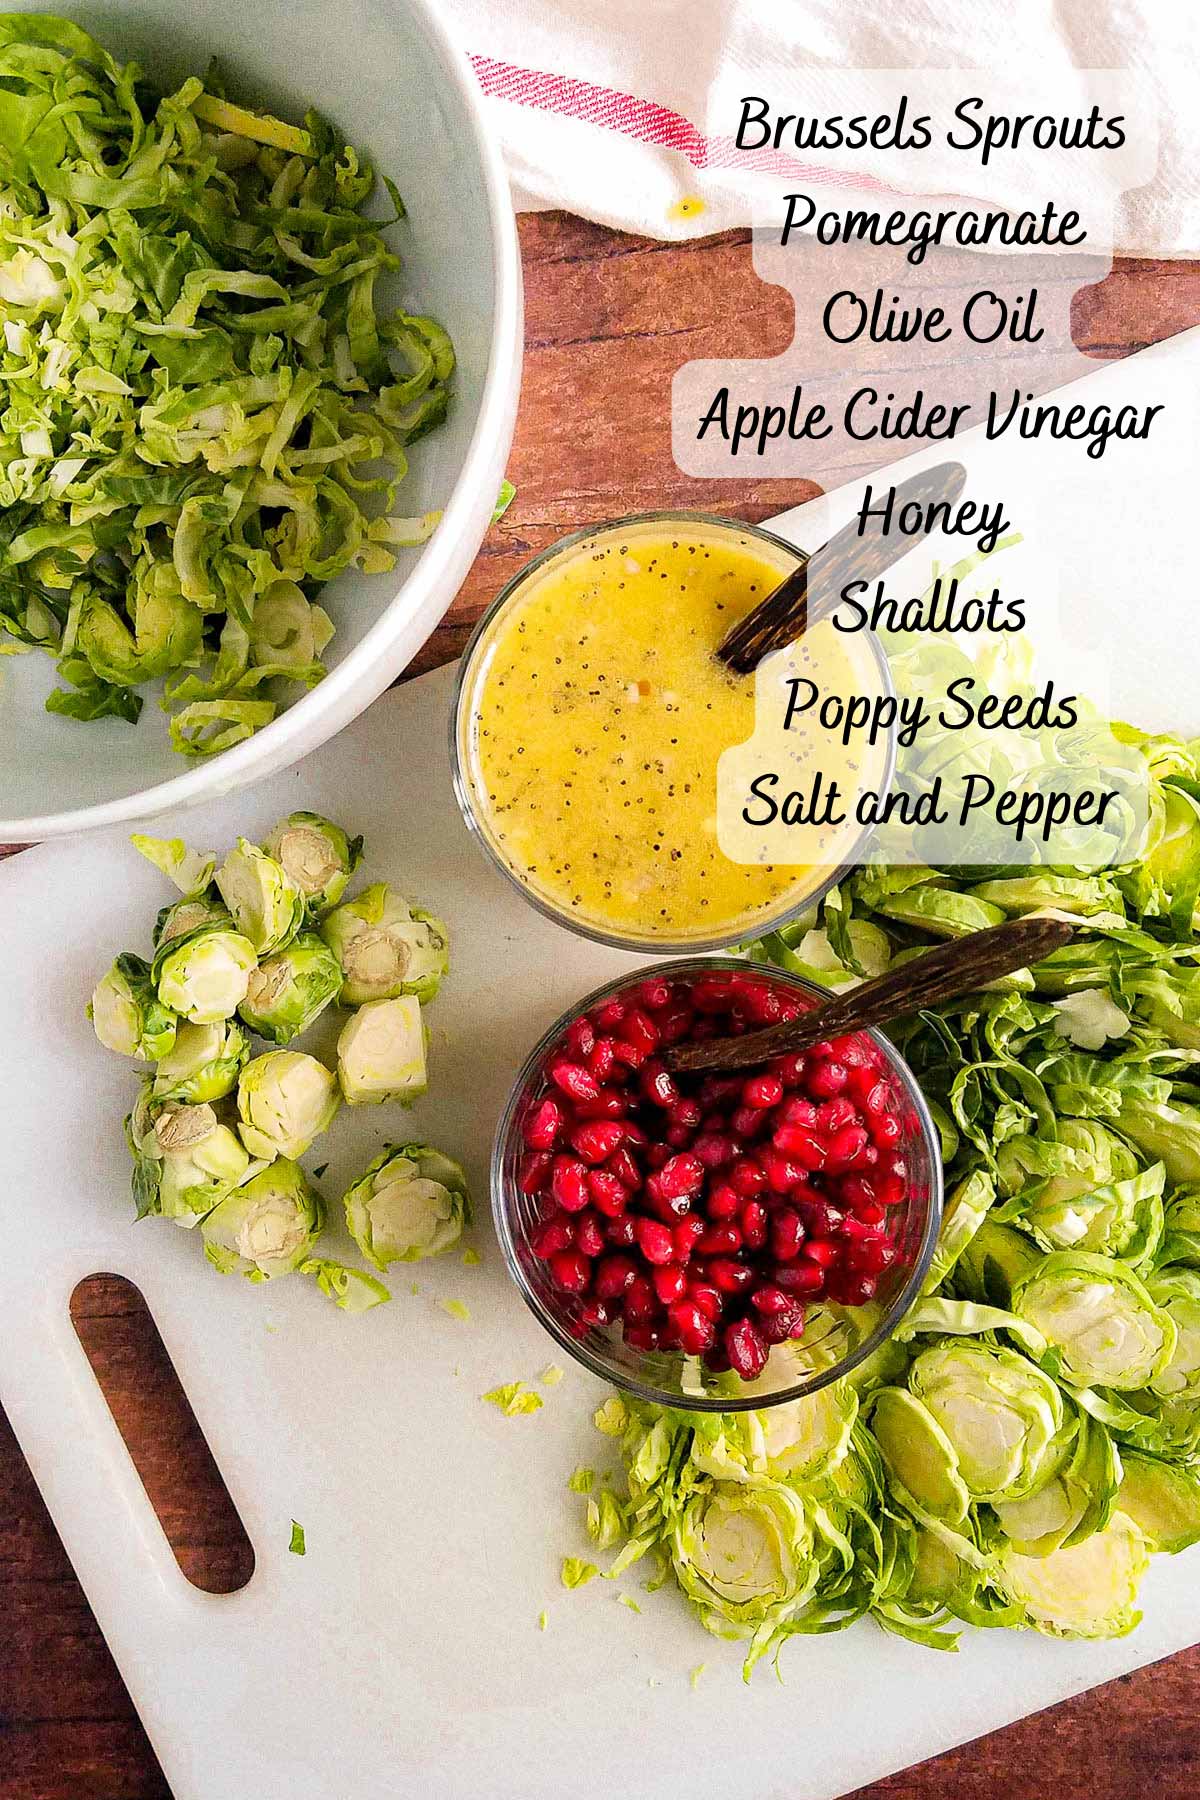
[317,855]
[385,948]
[266,1228]
[292,988]
[183,1127]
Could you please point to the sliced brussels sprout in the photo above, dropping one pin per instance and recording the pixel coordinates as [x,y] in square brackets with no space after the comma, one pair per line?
[993,1262]
[918,1453]
[267,1227]
[998,1410]
[1104,1203]
[206,975]
[805,1440]
[190,870]
[940,911]
[1082,894]
[147,1159]
[183,918]
[204,1064]
[127,1014]
[285,1099]
[1181,1238]
[386,948]
[381,1052]
[266,904]
[1107,1329]
[291,989]
[815,956]
[966,1208]
[409,1203]
[743,1555]
[1177,1292]
[1090,1018]
[1077,1498]
[353,1290]
[1087,1590]
[1167,1131]
[1163,1501]
[200,1160]
[317,855]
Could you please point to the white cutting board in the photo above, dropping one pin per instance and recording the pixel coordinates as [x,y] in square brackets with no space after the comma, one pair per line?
[401,1656]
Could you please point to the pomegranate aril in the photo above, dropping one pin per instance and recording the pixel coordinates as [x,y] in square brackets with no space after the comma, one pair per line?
[641,1336]
[637,1027]
[719,1240]
[783,1173]
[707,1298]
[832,1115]
[608,1015]
[622,1165]
[684,1234]
[801,1147]
[874,1257]
[693,1329]
[579,1039]
[658,1154]
[594,1314]
[745,1348]
[821,1252]
[845,1146]
[535,1171]
[678,1137]
[574,1080]
[589,1233]
[609,1103]
[596,1140]
[787,1235]
[798,1112]
[669,1282]
[630,1054]
[769,1300]
[675,1025]
[549,1236]
[753,1221]
[719,1090]
[614,1276]
[641,1302]
[621,1231]
[654,1240]
[820,1219]
[681,1176]
[747,1122]
[712,994]
[729,1276]
[571,1271]
[609,1196]
[854,1290]
[602,1058]
[543,1124]
[716,1361]
[747,1176]
[685,1111]
[722,1201]
[656,1084]
[791,1069]
[886,1131]
[762,1091]
[890,1189]
[655,992]
[781,1326]
[568,1183]
[827,1078]
[713,1150]
[800,1278]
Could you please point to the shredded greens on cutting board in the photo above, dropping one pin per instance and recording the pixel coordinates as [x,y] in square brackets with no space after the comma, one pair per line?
[204,408]
[1032,1434]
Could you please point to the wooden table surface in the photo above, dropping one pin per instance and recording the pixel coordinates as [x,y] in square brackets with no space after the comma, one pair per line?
[609,320]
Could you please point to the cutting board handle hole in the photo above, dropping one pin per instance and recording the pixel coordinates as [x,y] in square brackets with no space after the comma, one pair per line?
[162,1434]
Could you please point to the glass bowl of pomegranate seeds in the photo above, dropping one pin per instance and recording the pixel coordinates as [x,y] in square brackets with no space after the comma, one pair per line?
[714,1241]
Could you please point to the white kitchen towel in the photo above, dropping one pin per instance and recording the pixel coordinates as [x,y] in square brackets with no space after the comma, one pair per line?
[601,105]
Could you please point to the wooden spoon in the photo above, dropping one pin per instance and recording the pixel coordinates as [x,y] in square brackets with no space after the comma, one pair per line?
[941,974]
[813,589]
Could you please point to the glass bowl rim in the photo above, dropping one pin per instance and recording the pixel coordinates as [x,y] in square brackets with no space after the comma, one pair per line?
[464,786]
[901,1303]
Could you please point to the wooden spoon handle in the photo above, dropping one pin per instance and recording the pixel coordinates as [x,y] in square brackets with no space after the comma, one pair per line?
[814,588]
[941,974]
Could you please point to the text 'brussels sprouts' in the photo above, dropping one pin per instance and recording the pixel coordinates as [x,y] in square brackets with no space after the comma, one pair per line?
[285,1100]
[409,1203]
[381,1052]
[386,948]
[291,989]
[128,1015]
[317,855]
[266,904]
[266,1228]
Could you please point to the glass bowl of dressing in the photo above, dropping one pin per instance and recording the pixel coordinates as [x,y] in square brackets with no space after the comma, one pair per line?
[589,718]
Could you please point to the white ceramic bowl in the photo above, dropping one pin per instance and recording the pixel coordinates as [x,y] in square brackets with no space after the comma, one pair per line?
[388,75]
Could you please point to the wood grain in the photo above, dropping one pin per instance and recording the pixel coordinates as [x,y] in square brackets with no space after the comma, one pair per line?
[609,320]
